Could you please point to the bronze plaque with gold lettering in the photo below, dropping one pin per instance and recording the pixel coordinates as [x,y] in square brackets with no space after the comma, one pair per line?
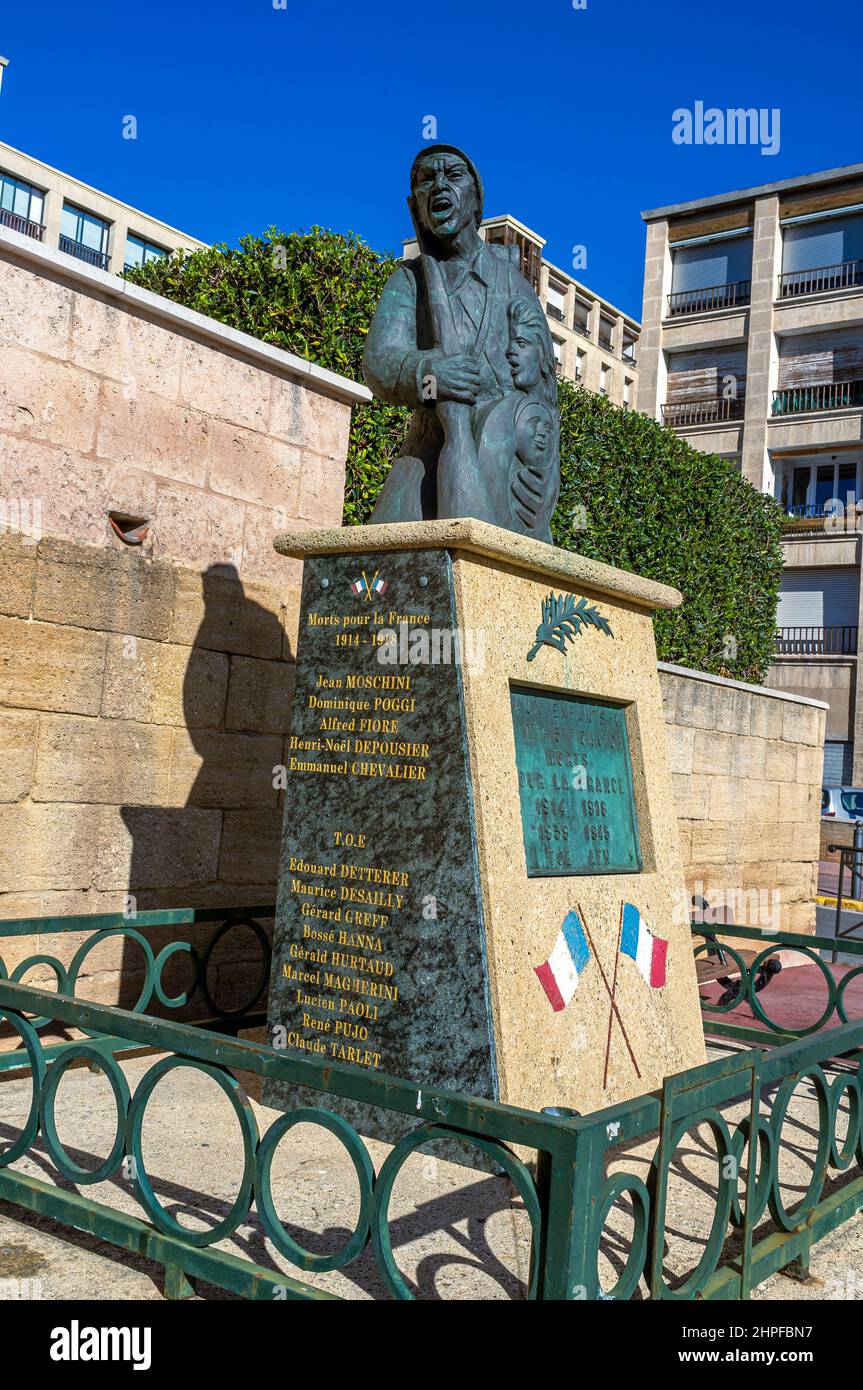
[575,785]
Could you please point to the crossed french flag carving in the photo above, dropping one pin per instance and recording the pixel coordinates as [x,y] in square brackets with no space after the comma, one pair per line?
[572,952]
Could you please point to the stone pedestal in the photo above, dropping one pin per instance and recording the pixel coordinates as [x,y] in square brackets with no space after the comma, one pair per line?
[479,813]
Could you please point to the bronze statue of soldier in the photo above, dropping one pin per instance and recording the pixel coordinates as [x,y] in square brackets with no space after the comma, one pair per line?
[460,336]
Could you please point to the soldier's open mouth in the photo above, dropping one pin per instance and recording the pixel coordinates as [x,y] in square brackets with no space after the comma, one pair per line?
[442,205]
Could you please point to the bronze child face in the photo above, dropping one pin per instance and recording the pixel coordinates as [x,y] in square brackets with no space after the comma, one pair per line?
[524,356]
[533,436]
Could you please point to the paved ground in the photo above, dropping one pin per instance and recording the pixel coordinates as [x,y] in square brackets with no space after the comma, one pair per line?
[456,1233]
[828,881]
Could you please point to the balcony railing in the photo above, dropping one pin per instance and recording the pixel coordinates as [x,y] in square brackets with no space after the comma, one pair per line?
[806,519]
[834,395]
[630,359]
[606,343]
[834,518]
[554,313]
[581,328]
[85,253]
[707,412]
[17,223]
[844,276]
[714,297]
[816,641]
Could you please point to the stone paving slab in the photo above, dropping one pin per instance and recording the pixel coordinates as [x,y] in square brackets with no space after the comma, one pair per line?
[456,1233]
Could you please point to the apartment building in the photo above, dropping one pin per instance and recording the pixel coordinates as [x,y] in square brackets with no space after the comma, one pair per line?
[594,343]
[752,348]
[68,215]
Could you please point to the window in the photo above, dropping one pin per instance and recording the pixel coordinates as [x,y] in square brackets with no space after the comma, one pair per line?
[604,379]
[805,489]
[710,264]
[20,200]
[627,391]
[812,245]
[556,301]
[580,364]
[581,318]
[84,228]
[820,254]
[139,251]
[838,768]
[827,597]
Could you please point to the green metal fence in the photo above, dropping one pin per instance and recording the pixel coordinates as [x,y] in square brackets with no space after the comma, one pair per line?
[570,1173]
[719,1019]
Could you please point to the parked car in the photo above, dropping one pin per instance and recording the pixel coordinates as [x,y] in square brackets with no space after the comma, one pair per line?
[842,803]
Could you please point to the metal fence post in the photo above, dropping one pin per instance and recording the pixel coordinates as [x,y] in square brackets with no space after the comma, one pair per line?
[857,866]
[570,1182]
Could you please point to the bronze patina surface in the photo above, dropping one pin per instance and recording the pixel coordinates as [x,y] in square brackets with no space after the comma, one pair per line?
[461,337]
[575,785]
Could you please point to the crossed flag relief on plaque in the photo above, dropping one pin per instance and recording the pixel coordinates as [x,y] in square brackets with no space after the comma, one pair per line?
[365,587]
[573,950]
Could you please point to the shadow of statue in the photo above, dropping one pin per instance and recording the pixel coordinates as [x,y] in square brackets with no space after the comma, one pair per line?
[221,846]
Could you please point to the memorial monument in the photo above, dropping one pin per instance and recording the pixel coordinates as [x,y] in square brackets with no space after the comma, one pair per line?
[481,884]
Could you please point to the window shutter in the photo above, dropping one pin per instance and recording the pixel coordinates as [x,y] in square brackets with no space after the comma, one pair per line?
[717,263]
[819,598]
[812,245]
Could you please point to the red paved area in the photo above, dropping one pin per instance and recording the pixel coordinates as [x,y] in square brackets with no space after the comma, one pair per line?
[795,998]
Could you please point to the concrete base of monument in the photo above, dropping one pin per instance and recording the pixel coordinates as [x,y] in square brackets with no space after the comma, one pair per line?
[481,884]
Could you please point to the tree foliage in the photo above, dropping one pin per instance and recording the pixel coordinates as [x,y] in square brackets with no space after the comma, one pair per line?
[632,493]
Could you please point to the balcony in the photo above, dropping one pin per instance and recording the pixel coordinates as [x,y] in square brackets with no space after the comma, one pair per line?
[581,328]
[714,297]
[17,223]
[810,519]
[606,343]
[848,275]
[630,359]
[834,395]
[815,641]
[554,313]
[805,519]
[85,253]
[709,412]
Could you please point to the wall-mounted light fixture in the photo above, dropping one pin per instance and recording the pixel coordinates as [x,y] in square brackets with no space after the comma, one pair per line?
[4,63]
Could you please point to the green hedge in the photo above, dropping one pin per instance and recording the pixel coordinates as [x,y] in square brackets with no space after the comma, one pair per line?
[657,506]
[632,493]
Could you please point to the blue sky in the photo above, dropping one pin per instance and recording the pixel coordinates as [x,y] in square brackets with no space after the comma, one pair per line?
[250,115]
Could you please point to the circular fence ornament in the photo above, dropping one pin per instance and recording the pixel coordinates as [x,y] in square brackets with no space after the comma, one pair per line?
[363,1167]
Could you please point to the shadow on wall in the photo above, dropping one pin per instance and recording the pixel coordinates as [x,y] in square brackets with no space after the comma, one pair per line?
[222,846]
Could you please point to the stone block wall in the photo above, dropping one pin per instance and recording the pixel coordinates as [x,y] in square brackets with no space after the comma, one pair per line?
[114,399]
[143,711]
[145,691]
[746,763]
